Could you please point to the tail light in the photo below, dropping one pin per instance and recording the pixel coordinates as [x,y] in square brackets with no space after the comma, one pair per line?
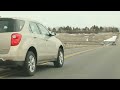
[15,39]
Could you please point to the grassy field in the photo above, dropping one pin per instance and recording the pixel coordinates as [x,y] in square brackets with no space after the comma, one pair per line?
[80,40]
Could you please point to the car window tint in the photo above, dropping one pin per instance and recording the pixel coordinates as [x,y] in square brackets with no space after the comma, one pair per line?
[34,28]
[43,30]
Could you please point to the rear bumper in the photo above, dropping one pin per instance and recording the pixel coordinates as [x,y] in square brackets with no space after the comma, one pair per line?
[14,54]
[7,57]
[11,63]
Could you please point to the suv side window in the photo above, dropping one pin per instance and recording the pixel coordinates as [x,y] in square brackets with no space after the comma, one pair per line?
[43,30]
[34,28]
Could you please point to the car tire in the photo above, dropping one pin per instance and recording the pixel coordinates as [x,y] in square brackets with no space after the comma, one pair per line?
[60,59]
[30,64]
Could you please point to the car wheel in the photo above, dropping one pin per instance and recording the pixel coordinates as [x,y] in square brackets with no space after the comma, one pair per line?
[30,64]
[60,59]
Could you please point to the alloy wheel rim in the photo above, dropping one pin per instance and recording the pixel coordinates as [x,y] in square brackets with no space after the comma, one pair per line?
[31,63]
[61,58]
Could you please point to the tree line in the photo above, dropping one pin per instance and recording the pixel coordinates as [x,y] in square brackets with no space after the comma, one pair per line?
[93,29]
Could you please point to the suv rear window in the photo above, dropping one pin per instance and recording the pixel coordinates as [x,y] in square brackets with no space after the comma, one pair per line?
[5,26]
[19,25]
[10,25]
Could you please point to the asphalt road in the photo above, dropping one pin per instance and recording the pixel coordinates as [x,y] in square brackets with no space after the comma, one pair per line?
[91,63]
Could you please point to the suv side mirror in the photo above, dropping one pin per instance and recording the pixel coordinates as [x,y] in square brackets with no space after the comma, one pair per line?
[52,34]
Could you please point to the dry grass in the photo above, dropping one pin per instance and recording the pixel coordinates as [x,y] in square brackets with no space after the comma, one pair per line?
[78,40]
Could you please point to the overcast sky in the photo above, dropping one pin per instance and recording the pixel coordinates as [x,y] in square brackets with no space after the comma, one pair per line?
[71,18]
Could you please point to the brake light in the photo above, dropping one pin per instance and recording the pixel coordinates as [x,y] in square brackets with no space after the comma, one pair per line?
[15,39]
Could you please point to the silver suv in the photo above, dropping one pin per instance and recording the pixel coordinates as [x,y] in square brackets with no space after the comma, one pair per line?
[27,43]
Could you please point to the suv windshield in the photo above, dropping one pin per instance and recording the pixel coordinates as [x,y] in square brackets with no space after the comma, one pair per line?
[10,25]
